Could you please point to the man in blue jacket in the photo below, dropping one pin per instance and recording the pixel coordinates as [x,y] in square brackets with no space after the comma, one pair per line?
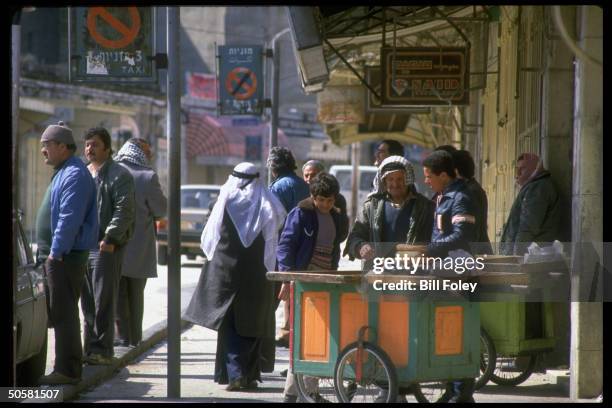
[74,230]
[290,190]
[287,186]
[453,229]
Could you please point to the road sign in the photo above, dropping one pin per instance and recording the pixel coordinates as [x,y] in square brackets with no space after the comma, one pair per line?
[240,80]
[110,44]
[425,76]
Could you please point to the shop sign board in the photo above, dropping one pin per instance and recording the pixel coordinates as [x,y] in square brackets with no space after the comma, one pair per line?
[341,105]
[425,76]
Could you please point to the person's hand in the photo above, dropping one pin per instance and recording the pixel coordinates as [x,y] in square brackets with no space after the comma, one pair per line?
[284,292]
[366,252]
[51,258]
[107,247]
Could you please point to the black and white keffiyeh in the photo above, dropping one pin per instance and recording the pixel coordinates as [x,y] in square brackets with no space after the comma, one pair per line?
[133,153]
[388,166]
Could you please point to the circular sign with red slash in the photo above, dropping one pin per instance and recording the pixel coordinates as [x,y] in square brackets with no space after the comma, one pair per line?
[241,82]
[127,33]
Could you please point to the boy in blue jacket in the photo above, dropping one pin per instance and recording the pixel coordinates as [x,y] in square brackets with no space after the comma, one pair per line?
[311,240]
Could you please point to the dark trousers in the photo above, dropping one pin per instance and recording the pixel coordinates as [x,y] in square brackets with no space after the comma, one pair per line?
[130,308]
[98,301]
[268,344]
[64,280]
[237,356]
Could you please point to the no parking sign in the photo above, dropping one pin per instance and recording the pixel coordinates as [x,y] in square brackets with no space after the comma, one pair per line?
[109,44]
[240,80]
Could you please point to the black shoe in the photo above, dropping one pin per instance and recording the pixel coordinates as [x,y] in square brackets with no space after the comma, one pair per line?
[252,385]
[56,378]
[284,372]
[461,399]
[235,385]
[282,342]
[319,399]
[290,399]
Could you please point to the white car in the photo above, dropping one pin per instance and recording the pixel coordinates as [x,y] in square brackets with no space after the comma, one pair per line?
[366,178]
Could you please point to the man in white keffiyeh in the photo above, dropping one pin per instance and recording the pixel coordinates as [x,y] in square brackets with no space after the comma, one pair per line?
[253,210]
[233,295]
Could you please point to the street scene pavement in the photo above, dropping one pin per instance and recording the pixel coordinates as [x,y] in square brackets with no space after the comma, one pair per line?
[140,374]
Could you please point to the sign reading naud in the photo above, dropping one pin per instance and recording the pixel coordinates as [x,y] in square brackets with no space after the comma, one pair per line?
[425,76]
[112,43]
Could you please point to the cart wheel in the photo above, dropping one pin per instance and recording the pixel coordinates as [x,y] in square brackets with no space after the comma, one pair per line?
[324,392]
[513,370]
[429,391]
[366,376]
[487,359]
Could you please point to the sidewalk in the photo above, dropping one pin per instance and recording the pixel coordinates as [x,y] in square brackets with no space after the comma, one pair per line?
[154,326]
[140,374]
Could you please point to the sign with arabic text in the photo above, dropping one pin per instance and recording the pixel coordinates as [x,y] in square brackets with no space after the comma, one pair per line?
[240,80]
[425,76]
[112,44]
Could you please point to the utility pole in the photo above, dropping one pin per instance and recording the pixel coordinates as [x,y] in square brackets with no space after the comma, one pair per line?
[275,93]
[15,68]
[174,201]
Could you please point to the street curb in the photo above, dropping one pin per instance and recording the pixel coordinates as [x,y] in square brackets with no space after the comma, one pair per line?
[93,375]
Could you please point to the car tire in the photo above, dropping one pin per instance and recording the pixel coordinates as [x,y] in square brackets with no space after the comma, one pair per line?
[29,371]
[162,255]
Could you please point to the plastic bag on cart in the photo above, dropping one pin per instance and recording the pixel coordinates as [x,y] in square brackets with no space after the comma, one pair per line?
[536,253]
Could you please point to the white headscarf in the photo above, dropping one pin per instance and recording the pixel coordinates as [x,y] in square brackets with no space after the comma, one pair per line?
[251,207]
[381,173]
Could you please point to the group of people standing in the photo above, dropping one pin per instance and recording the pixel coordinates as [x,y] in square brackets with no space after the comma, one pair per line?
[298,224]
[96,240]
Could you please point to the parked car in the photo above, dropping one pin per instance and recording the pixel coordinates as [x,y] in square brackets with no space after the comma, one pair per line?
[31,318]
[366,178]
[197,201]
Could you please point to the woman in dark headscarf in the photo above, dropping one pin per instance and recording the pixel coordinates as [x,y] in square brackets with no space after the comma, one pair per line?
[233,295]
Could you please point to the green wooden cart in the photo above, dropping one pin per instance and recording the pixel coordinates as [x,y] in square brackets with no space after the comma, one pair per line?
[366,345]
[519,327]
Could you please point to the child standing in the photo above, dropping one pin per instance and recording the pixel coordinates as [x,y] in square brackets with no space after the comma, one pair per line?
[311,240]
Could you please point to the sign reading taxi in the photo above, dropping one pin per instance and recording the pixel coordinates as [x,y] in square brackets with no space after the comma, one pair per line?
[240,80]
[112,44]
[425,76]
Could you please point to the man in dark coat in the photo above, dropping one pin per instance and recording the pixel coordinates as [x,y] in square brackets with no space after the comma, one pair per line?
[464,165]
[535,215]
[139,260]
[395,212]
[453,229]
[233,295]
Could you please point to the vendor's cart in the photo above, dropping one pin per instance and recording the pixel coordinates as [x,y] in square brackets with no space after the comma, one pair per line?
[367,345]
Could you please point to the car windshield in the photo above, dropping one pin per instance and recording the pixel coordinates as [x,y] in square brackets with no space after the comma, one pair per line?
[198,198]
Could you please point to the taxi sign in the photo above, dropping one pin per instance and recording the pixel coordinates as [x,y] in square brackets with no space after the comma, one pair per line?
[112,44]
[240,80]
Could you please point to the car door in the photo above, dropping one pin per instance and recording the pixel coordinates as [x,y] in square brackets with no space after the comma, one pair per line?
[31,300]
[24,299]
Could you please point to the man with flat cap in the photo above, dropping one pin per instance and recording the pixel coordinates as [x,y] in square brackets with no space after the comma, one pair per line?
[69,215]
